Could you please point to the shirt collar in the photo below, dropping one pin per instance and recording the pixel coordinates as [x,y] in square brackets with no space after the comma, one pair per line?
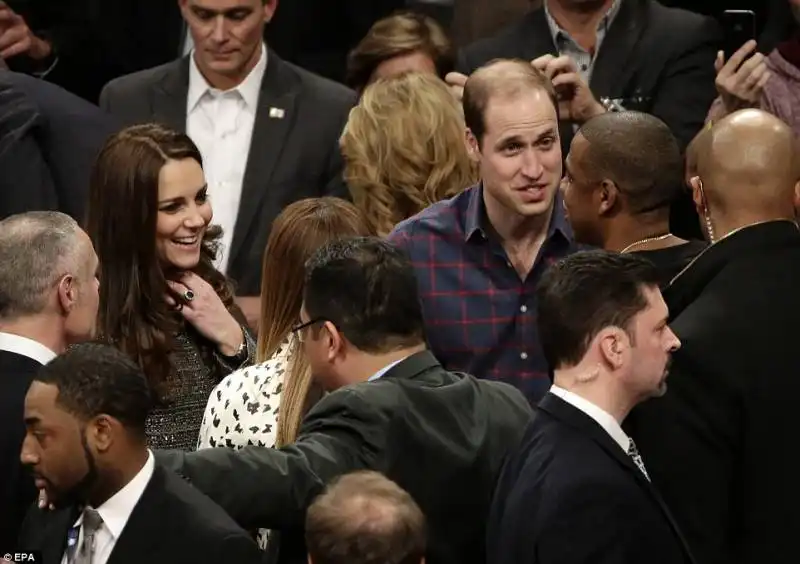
[118,508]
[26,347]
[557,32]
[249,89]
[385,369]
[602,417]
[475,219]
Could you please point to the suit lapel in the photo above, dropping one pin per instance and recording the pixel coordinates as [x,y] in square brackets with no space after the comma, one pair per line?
[170,94]
[619,45]
[54,532]
[138,539]
[572,416]
[273,123]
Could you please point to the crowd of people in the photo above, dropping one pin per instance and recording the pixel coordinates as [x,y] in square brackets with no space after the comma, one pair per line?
[529,300]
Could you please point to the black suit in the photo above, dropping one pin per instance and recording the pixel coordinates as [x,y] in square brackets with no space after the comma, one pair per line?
[293,157]
[571,495]
[17,491]
[718,445]
[441,436]
[172,522]
[49,140]
[664,57]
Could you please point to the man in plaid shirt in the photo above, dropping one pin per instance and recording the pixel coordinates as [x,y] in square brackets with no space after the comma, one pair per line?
[479,256]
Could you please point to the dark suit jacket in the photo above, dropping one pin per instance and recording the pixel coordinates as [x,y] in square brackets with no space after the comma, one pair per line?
[572,495]
[172,522]
[441,436]
[49,140]
[17,491]
[717,445]
[663,56]
[291,158]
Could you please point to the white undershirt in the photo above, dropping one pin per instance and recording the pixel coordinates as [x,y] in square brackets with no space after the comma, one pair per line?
[221,125]
[115,513]
[26,347]
[603,418]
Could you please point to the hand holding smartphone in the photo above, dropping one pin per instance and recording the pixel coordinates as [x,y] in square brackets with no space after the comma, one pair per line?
[739,27]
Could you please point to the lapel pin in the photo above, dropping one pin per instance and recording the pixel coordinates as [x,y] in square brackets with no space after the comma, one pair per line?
[276,113]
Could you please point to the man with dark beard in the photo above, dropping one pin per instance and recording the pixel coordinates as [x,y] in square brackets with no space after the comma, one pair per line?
[85,416]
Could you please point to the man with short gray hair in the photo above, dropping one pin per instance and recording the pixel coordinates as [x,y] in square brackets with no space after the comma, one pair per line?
[365,518]
[48,300]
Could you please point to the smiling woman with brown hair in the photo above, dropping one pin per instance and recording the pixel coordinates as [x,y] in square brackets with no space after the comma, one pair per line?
[162,301]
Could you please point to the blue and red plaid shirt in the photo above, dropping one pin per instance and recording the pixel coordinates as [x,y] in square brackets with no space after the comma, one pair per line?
[480,317]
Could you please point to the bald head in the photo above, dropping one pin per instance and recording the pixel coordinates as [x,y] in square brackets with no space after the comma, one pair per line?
[747,163]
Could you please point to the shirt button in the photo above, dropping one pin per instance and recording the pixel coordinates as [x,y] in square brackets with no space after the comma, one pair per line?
[523,355]
[523,308]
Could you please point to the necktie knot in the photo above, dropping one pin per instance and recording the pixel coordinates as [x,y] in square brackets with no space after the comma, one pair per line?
[92,521]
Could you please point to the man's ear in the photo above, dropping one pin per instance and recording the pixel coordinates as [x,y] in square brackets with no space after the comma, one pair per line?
[698,197]
[473,146]
[609,196]
[67,293]
[269,10]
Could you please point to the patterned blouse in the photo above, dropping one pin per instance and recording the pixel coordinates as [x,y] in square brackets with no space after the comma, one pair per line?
[243,409]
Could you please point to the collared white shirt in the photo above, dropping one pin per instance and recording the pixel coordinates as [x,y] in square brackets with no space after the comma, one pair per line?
[221,125]
[385,369]
[26,347]
[115,513]
[603,418]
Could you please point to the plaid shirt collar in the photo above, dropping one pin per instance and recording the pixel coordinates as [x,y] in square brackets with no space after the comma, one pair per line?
[475,218]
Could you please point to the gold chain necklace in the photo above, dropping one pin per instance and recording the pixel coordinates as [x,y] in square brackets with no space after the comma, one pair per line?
[646,240]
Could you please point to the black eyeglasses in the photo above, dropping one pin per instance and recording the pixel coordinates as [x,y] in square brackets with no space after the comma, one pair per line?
[297,329]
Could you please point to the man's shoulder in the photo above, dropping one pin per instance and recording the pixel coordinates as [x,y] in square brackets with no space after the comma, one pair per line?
[322,89]
[443,219]
[666,22]
[142,80]
[180,501]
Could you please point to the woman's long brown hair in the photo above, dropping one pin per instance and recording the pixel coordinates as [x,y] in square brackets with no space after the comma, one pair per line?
[121,222]
[297,233]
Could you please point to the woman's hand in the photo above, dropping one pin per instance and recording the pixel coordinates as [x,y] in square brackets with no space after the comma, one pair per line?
[200,305]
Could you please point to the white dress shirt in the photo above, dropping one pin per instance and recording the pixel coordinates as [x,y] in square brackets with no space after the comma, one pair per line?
[221,125]
[26,347]
[603,418]
[115,513]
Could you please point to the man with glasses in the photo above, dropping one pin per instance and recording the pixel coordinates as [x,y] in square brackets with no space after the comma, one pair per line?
[392,408]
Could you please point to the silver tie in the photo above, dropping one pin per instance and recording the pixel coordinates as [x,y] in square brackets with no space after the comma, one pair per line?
[91,524]
[633,452]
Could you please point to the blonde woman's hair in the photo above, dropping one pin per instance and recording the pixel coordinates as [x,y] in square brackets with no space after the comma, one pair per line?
[404,149]
[299,230]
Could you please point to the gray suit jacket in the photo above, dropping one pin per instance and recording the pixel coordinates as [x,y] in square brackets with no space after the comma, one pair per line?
[291,158]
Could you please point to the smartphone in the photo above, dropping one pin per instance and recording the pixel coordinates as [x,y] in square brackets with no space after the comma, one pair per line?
[739,27]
